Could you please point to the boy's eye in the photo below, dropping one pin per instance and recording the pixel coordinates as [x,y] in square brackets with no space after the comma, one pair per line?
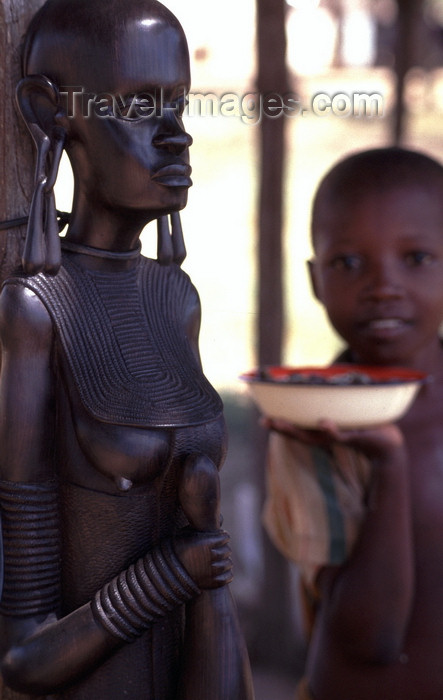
[346,262]
[417,258]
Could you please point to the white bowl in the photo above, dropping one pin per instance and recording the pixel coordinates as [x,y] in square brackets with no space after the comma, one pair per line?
[384,399]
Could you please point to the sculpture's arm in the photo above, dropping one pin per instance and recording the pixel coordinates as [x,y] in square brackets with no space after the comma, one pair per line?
[44,655]
[27,402]
[216,663]
[41,653]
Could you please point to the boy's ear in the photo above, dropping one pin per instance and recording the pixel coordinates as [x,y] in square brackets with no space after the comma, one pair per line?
[312,271]
[38,99]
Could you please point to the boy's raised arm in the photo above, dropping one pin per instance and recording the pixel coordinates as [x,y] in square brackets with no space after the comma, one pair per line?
[367,601]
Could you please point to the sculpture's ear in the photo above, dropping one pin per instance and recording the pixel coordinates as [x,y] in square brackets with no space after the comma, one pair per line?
[38,99]
[39,102]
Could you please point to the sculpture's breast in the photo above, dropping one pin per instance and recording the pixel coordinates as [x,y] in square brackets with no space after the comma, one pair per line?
[127,455]
[130,377]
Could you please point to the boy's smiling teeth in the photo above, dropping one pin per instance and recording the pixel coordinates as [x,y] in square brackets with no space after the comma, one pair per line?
[382,323]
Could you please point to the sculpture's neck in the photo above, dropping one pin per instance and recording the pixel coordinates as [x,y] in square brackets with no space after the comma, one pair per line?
[95,225]
[99,258]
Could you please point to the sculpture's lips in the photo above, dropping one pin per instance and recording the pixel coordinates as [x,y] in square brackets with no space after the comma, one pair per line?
[176,175]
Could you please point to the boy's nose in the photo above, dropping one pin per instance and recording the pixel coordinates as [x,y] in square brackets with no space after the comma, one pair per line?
[384,282]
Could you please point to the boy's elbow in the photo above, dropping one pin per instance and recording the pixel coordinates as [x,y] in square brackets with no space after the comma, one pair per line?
[368,641]
[378,650]
[386,652]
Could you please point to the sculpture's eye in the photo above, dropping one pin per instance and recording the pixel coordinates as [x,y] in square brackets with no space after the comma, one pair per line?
[179,105]
[134,107]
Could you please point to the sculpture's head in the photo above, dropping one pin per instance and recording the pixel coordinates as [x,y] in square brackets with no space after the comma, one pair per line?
[107,80]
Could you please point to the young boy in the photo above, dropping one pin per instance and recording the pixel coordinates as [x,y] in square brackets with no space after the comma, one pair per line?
[361,511]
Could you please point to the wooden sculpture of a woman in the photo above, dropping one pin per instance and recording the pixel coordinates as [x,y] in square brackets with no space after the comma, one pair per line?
[114,564]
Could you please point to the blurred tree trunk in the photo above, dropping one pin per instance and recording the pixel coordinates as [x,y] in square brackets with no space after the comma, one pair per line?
[272,78]
[271,644]
[336,8]
[16,155]
[409,20]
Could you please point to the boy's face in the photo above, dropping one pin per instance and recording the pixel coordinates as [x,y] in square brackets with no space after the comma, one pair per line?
[378,270]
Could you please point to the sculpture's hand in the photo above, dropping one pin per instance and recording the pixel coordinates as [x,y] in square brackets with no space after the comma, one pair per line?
[206,557]
[215,661]
[203,550]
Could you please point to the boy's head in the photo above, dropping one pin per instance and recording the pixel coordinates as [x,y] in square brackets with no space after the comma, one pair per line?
[373,171]
[377,233]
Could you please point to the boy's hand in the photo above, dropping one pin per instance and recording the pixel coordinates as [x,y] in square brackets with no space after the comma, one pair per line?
[376,443]
[319,437]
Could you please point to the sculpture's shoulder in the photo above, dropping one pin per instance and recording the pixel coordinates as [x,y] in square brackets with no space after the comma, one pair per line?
[23,315]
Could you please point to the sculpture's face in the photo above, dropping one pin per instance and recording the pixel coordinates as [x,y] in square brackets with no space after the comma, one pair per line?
[126,139]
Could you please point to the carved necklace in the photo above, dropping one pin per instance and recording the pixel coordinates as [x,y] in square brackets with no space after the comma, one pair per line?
[100,252]
[125,340]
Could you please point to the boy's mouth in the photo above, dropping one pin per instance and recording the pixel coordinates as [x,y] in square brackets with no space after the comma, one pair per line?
[385,329]
[381,324]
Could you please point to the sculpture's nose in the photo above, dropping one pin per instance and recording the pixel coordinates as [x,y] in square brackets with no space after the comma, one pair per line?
[175,141]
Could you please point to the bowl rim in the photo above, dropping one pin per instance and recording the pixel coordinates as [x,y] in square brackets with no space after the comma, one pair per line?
[381,375]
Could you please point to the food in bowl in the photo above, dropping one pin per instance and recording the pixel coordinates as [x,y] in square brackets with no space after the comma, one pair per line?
[353,396]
